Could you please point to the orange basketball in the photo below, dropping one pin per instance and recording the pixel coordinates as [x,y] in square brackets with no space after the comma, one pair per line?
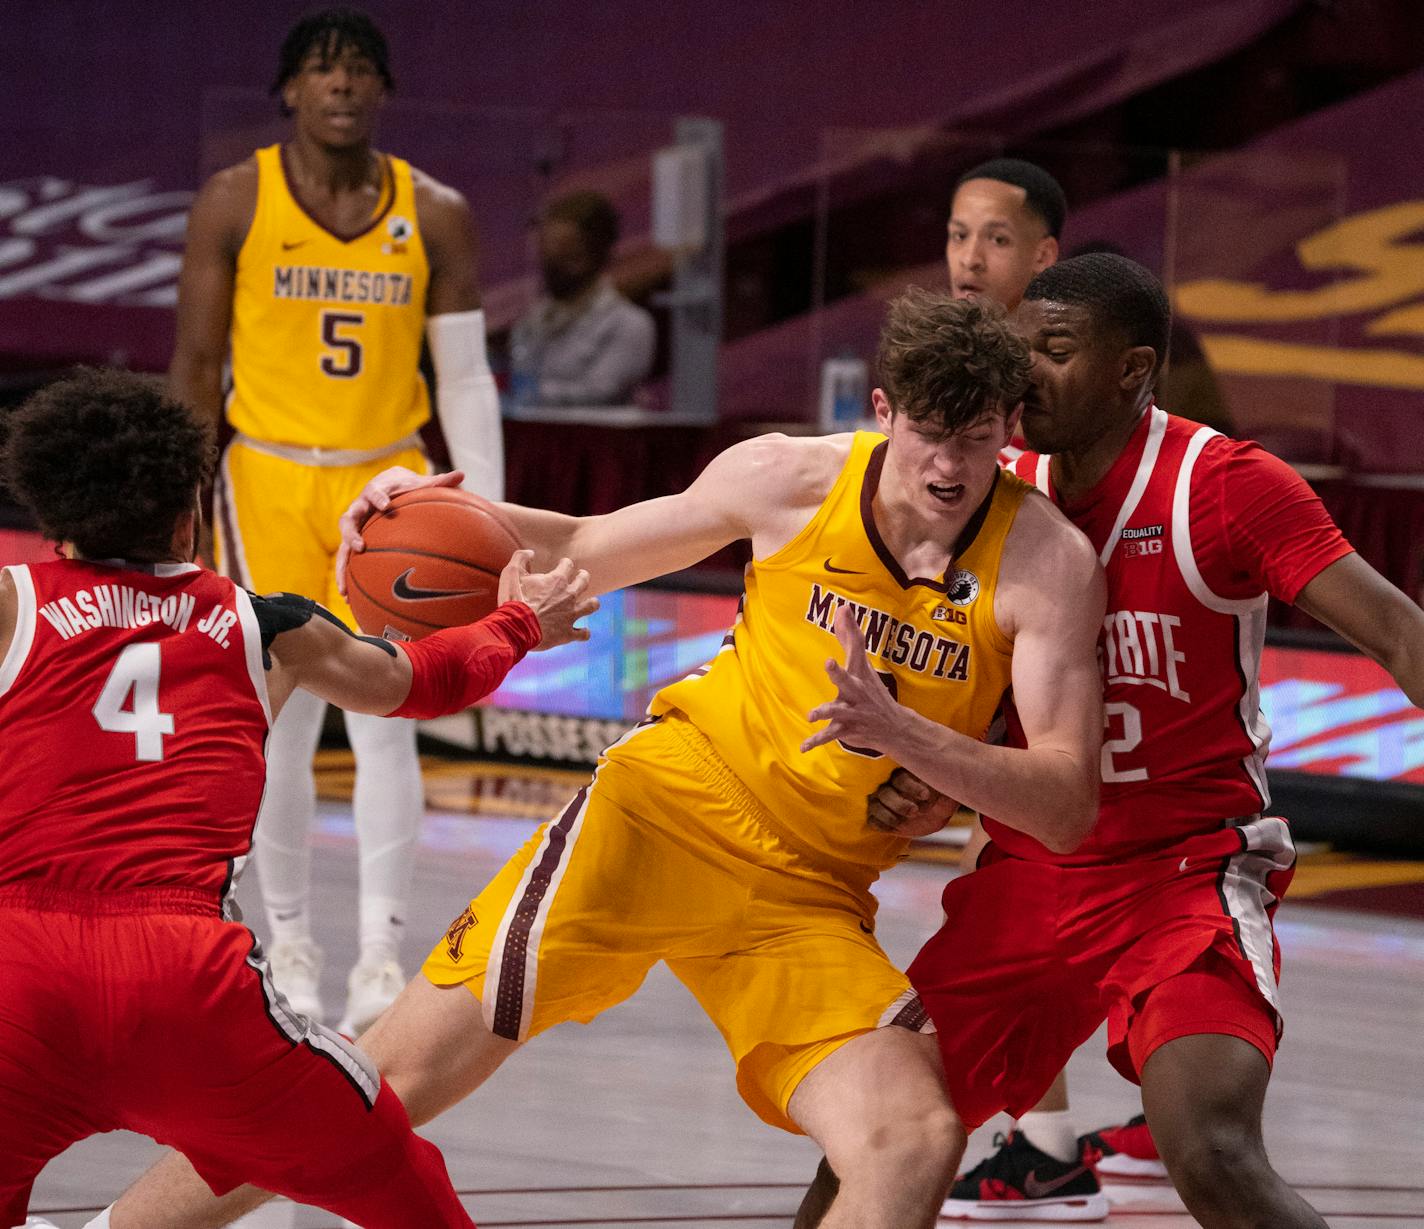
[432,560]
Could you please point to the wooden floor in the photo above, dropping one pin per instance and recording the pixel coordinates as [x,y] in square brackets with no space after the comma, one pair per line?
[634,1120]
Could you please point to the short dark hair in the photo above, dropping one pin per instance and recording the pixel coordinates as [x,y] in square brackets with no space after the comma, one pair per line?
[946,361]
[106,460]
[594,216]
[329,32]
[1043,195]
[1118,292]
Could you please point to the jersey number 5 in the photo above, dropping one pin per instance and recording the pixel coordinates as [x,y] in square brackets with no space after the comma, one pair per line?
[136,671]
[345,362]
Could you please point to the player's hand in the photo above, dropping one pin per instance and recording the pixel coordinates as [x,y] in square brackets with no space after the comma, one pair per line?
[864,713]
[376,496]
[560,598]
[906,806]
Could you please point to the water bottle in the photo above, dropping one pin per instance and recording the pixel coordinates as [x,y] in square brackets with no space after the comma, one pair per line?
[845,390]
[523,374]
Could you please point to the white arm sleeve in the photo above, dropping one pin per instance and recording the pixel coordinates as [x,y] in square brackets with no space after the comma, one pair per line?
[466,400]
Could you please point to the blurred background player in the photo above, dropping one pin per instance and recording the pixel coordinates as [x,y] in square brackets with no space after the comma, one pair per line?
[1005,223]
[321,262]
[136,696]
[582,342]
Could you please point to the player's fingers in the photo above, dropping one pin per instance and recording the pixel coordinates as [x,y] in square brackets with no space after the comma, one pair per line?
[586,606]
[343,553]
[877,816]
[579,583]
[857,663]
[903,781]
[511,579]
[581,633]
[894,803]
[818,739]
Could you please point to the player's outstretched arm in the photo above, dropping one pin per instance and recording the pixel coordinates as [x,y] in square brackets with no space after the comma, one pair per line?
[764,489]
[1377,618]
[1049,789]
[446,671]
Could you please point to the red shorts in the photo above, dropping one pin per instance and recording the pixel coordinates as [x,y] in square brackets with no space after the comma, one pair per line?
[1033,956]
[148,1012]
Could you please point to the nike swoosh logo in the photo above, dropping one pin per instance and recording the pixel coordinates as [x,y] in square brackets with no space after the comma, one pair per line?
[287,247]
[1035,1189]
[409,593]
[831,567]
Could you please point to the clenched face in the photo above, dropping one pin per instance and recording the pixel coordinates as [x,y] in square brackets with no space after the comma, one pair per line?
[942,474]
[995,243]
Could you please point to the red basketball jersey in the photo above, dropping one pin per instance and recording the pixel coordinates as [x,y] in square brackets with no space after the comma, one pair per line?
[1196,532]
[134,707]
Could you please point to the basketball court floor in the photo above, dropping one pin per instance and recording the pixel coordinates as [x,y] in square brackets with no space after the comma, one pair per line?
[634,1120]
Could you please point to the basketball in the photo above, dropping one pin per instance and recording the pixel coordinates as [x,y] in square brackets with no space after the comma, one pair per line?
[432,560]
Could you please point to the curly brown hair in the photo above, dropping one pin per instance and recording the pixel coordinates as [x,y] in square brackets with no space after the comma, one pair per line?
[105,460]
[947,362]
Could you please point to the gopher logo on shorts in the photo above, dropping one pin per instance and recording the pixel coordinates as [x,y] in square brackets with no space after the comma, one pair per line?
[455,936]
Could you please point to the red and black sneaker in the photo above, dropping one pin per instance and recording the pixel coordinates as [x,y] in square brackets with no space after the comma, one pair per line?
[1127,1151]
[1020,1182]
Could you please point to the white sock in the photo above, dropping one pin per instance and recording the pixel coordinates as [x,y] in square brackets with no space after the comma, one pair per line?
[389,803]
[102,1220]
[282,842]
[1051,1132]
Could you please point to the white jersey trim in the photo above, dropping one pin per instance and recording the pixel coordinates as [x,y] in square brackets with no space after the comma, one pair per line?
[1250,614]
[1269,849]
[1156,429]
[1040,475]
[1182,536]
[23,638]
[252,646]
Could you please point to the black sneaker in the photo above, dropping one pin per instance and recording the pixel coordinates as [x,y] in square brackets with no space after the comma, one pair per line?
[1021,1182]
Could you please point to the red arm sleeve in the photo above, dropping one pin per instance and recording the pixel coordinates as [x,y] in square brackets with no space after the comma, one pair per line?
[1278,535]
[451,669]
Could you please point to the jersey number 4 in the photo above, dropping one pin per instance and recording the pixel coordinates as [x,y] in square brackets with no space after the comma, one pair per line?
[343,356]
[136,674]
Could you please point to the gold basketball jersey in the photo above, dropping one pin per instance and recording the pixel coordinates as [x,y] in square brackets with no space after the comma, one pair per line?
[326,332]
[934,642]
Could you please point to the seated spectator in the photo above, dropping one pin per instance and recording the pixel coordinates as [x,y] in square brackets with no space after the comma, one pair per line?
[581,343]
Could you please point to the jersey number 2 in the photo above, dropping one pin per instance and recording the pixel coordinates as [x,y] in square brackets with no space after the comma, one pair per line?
[345,363]
[136,671]
[1131,736]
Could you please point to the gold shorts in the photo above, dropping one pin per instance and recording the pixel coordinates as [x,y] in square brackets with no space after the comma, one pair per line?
[276,520]
[666,855]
